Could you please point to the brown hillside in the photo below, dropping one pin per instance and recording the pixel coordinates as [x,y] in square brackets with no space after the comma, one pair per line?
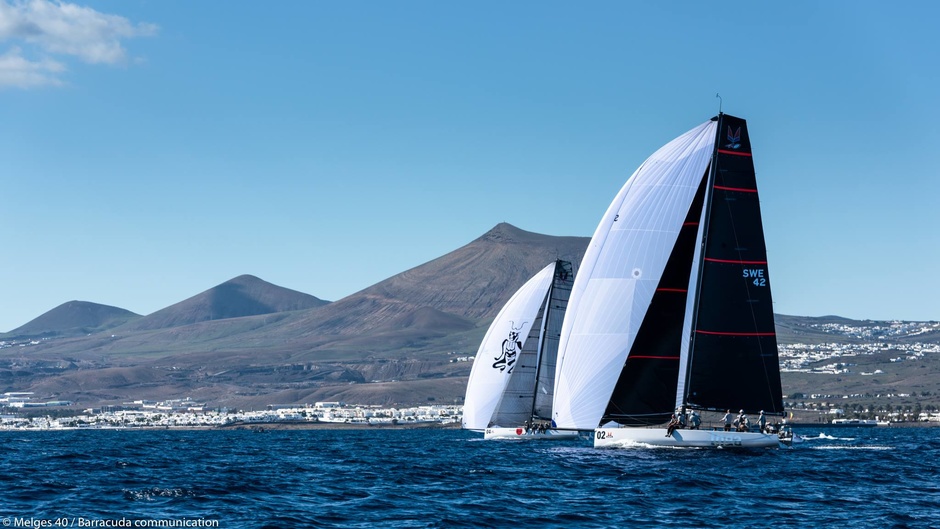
[73,318]
[472,282]
[244,295]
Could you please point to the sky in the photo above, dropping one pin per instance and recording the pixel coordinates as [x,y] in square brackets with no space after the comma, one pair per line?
[152,149]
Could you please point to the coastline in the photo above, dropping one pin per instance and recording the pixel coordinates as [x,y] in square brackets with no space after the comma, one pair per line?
[318,425]
[255,426]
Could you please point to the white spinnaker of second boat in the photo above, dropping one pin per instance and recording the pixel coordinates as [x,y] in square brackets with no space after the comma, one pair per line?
[487,383]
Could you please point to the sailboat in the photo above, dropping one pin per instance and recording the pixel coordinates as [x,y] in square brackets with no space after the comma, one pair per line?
[671,310]
[509,394]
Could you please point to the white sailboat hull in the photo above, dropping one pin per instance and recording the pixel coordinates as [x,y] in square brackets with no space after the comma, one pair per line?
[633,437]
[520,433]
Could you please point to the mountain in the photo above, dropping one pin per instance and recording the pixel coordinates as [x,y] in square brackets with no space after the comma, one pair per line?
[444,304]
[229,347]
[245,295]
[247,343]
[472,282]
[73,318]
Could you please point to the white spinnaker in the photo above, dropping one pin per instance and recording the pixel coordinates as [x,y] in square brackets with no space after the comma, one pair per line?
[619,274]
[487,382]
[515,407]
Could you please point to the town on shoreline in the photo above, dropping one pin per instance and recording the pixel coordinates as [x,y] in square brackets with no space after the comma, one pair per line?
[185,413]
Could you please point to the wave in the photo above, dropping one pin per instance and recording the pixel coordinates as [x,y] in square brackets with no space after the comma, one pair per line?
[849,447]
[157,492]
[824,437]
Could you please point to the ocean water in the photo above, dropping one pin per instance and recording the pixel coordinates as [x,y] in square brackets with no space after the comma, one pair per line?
[839,477]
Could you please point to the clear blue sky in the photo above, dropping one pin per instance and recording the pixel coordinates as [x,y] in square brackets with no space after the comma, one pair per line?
[150,150]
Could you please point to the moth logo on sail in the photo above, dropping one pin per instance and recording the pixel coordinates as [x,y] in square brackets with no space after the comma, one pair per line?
[756,275]
[511,347]
[734,139]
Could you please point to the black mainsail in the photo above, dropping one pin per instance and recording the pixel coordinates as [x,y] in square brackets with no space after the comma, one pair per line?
[733,355]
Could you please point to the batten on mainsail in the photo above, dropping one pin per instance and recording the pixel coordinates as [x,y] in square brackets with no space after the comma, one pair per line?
[620,273]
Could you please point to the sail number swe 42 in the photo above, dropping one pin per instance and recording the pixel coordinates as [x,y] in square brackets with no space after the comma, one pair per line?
[757,276]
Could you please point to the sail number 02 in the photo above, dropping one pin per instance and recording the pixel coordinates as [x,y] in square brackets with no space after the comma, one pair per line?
[757,276]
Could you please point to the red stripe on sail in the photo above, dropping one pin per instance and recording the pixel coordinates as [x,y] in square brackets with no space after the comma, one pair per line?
[671,290]
[741,189]
[736,333]
[655,357]
[690,223]
[735,262]
[734,153]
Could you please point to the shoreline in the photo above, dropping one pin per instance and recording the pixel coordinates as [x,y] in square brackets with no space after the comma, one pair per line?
[317,425]
[254,426]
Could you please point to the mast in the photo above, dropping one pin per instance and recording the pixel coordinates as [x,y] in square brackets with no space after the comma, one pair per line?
[703,230]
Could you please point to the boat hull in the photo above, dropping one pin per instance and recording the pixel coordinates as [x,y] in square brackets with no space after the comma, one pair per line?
[521,434]
[634,437]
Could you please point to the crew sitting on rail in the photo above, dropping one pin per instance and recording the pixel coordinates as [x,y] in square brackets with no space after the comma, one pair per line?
[678,421]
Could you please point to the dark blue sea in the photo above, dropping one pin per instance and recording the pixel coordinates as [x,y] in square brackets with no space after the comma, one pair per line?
[839,477]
